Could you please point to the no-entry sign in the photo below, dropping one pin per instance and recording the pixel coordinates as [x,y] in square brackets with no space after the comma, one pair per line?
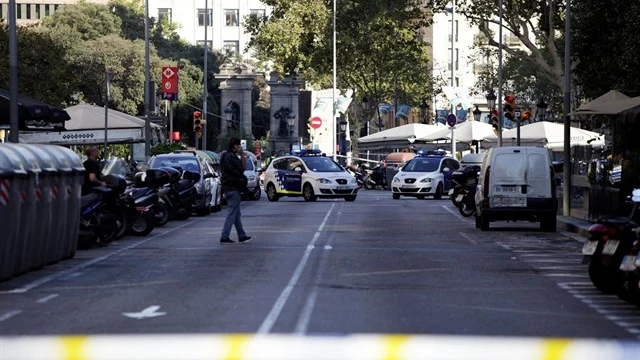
[316,122]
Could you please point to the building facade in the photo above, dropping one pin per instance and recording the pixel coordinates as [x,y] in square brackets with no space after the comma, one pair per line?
[224,20]
[32,11]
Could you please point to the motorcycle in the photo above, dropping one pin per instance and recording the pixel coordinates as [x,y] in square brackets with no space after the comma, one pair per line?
[360,173]
[141,217]
[101,216]
[467,191]
[377,177]
[179,194]
[611,238]
[630,264]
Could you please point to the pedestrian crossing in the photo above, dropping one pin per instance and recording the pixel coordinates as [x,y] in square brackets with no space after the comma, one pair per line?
[558,257]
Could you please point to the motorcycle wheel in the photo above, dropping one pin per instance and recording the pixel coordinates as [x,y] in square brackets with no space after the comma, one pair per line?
[182,214]
[142,224]
[121,227]
[467,208]
[108,230]
[604,278]
[161,213]
[453,198]
[369,184]
[257,192]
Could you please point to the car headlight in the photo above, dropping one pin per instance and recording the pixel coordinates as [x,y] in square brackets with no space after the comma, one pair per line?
[426,180]
[324,181]
[354,181]
[251,178]
[396,180]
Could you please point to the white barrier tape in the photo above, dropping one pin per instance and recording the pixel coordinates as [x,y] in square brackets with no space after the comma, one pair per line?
[292,347]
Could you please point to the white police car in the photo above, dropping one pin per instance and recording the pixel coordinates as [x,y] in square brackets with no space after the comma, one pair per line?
[429,173]
[309,174]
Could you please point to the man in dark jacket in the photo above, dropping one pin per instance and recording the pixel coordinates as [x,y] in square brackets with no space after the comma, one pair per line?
[92,170]
[233,183]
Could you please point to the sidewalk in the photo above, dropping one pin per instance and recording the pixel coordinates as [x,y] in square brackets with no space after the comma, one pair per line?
[574,225]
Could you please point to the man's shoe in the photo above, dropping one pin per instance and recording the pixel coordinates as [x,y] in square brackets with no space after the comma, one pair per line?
[226,241]
[244,239]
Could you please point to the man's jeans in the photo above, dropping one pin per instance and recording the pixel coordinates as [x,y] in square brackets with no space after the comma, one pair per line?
[233,217]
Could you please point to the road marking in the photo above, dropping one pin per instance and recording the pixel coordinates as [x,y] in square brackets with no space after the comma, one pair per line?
[150,312]
[46,298]
[307,311]
[328,247]
[273,315]
[34,284]
[574,236]
[9,315]
[391,272]
[455,214]
[469,238]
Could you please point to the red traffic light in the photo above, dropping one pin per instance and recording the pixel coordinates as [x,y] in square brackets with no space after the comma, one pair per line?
[509,98]
[526,115]
[176,136]
[197,115]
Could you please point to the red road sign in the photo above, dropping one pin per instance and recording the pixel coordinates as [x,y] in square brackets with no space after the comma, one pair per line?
[316,122]
[170,79]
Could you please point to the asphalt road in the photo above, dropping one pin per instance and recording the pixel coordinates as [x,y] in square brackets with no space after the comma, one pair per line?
[376,265]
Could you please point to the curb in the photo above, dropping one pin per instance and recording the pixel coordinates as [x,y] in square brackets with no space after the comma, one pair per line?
[574,225]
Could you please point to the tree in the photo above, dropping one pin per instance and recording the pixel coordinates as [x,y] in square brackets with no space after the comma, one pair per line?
[90,20]
[536,24]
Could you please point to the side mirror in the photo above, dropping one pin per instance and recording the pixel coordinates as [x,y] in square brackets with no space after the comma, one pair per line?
[446,169]
[298,169]
[190,175]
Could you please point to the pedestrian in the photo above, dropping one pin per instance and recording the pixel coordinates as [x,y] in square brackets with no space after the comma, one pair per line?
[234,182]
[91,171]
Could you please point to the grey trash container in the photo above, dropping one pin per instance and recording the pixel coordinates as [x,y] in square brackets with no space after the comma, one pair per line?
[73,190]
[24,259]
[46,231]
[12,176]
[59,197]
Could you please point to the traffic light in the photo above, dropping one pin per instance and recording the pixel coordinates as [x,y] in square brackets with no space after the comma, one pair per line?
[526,116]
[510,107]
[495,121]
[197,121]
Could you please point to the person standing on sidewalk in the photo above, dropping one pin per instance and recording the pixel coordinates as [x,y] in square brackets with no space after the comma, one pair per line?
[234,182]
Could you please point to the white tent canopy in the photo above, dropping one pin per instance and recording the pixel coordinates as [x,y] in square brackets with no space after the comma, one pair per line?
[401,133]
[547,134]
[465,132]
[87,127]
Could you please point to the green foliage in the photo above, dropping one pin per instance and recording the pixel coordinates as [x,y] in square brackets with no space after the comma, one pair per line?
[166,148]
[90,20]
[603,38]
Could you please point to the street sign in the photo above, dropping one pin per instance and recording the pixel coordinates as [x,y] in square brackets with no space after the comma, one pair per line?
[169,96]
[316,122]
[451,120]
[170,79]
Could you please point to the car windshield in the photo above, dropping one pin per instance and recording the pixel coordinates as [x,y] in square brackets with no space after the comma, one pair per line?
[422,165]
[186,163]
[321,164]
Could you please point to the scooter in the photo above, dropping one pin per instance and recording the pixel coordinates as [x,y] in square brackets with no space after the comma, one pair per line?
[100,214]
[183,193]
[467,192]
[611,238]
[377,177]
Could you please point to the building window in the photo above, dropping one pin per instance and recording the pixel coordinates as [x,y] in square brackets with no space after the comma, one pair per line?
[39,11]
[231,47]
[457,59]
[231,17]
[1,14]
[19,11]
[28,12]
[201,16]
[209,43]
[47,10]
[259,13]
[456,30]
[164,12]
[457,81]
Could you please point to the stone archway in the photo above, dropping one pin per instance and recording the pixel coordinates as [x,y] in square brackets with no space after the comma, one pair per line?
[284,106]
[236,84]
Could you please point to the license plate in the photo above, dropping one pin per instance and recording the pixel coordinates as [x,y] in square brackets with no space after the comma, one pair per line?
[409,186]
[610,247]
[628,263]
[450,192]
[342,188]
[508,201]
[589,248]
[510,189]
[459,198]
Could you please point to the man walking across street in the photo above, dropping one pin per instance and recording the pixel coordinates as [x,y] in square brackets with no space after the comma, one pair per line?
[233,183]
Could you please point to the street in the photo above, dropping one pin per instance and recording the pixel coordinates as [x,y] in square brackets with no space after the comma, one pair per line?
[376,265]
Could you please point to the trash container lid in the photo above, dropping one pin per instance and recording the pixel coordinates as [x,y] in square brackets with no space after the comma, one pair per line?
[75,162]
[59,158]
[44,159]
[11,164]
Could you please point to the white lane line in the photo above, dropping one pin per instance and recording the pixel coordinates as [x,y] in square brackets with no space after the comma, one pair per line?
[504,246]
[456,214]
[274,314]
[47,298]
[34,284]
[391,272]
[9,315]
[307,311]
[469,238]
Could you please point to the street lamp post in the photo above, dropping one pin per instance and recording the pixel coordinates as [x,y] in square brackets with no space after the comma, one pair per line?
[13,68]
[424,108]
[291,121]
[147,87]
[228,111]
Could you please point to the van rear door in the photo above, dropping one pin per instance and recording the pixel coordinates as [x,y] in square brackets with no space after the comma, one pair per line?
[538,174]
[507,184]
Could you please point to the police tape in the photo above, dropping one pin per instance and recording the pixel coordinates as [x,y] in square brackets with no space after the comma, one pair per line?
[294,347]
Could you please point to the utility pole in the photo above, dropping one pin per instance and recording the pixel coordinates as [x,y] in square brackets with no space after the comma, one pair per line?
[335,71]
[566,186]
[14,126]
[500,110]
[206,91]
[147,78]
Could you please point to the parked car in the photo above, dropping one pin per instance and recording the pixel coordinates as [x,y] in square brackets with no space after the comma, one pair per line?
[190,161]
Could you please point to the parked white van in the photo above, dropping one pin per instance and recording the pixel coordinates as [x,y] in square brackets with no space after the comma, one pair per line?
[517,183]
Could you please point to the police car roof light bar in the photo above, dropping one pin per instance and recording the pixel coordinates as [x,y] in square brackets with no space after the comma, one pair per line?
[423,153]
[307,152]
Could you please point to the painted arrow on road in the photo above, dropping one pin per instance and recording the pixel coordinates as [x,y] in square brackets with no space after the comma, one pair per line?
[149,312]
